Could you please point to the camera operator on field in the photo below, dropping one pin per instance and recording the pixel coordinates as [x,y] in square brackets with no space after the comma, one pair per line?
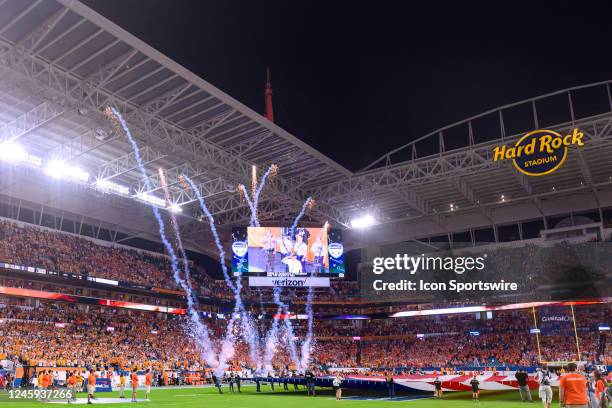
[522,378]
[545,390]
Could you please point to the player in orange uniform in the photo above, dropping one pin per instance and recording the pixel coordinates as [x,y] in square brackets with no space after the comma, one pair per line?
[91,385]
[48,383]
[134,378]
[148,381]
[42,383]
[72,384]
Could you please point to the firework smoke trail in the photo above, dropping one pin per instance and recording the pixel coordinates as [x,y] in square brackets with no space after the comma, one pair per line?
[186,181]
[288,327]
[272,336]
[254,221]
[177,237]
[278,291]
[271,171]
[201,330]
[307,344]
[253,206]
[262,306]
[253,192]
[307,204]
[227,349]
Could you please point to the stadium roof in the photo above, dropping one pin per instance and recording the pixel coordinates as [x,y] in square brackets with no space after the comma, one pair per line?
[61,64]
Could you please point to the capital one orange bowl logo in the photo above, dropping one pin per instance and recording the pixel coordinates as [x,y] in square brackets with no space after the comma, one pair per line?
[539,152]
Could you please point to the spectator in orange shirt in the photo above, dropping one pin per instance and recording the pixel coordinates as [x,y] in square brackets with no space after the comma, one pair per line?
[573,389]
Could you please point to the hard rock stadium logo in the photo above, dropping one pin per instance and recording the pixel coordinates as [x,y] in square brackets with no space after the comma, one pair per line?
[539,152]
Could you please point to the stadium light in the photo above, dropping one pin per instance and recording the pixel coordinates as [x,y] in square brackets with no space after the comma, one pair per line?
[175,208]
[604,328]
[11,152]
[14,153]
[363,222]
[108,186]
[58,169]
[151,199]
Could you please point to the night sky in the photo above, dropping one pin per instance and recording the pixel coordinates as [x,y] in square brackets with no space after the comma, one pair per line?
[356,79]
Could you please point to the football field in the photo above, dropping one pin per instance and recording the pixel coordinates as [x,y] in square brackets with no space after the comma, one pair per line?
[248,398]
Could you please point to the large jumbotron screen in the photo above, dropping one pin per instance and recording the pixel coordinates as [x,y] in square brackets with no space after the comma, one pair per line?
[279,251]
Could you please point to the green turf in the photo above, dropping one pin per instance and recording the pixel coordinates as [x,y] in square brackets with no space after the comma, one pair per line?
[209,397]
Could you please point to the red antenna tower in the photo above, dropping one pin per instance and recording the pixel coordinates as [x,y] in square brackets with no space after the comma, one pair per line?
[268,96]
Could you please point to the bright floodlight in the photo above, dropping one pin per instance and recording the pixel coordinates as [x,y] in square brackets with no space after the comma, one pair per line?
[11,153]
[151,199]
[58,169]
[175,208]
[363,222]
[109,186]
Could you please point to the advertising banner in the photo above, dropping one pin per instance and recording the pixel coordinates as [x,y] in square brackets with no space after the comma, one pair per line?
[288,281]
[103,385]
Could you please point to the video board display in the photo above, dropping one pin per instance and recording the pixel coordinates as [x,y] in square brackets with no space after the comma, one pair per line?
[277,251]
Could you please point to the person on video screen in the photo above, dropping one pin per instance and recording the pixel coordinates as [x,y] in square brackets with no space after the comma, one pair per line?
[300,248]
[318,251]
[285,248]
[293,263]
[269,243]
